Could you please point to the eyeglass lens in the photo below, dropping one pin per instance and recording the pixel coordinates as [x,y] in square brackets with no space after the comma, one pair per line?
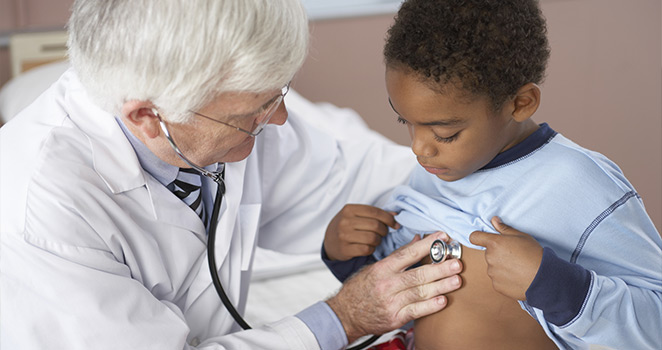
[264,119]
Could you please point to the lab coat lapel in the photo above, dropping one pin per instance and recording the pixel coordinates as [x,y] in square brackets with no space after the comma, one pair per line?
[173,211]
[228,238]
[226,230]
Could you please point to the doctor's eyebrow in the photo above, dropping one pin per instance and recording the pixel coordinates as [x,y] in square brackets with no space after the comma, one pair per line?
[452,121]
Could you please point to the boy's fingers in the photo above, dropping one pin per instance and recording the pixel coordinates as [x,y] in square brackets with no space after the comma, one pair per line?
[383,216]
[481,238]
[505,229]
[367,238]
[397,224]
[362,224]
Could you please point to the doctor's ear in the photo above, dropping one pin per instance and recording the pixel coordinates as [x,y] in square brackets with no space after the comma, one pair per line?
[143,117]
[526,102]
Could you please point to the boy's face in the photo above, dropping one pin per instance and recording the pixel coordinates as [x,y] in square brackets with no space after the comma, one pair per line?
[452,135]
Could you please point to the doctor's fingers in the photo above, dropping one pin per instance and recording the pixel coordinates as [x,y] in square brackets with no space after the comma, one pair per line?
[430,280]
[411,253]
[424,299]
[416,310]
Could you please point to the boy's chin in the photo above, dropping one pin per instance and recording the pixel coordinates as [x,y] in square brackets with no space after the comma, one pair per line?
[451,176]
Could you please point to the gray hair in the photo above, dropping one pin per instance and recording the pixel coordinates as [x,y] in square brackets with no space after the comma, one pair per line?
[180,54]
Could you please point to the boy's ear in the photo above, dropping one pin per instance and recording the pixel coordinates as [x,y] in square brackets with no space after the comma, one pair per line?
[140,116]
[526,102]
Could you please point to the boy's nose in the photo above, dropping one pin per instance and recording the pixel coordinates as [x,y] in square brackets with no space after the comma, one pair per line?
[421,146]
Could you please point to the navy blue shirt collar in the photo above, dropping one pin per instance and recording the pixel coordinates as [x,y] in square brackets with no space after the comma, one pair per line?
[529,145]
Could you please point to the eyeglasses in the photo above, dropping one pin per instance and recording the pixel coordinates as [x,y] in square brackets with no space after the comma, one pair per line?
[260,120]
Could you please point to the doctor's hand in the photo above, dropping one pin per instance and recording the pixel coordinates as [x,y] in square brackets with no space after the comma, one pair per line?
[385,295]
[513,258]
[356,230]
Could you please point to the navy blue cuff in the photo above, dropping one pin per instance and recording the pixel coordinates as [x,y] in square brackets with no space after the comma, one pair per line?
[343,269]
[559,288]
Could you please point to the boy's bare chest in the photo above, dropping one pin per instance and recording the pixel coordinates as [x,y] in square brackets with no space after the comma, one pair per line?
[478,317]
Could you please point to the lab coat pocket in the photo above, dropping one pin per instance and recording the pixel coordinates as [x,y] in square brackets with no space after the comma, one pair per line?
[249,217]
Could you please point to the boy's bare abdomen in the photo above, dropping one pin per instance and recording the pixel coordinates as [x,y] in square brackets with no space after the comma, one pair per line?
[478,317]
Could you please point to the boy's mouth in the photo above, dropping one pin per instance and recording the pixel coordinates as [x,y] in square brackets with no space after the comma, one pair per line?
[435,171]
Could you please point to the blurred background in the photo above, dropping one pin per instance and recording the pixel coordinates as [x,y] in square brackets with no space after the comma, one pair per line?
[603,88]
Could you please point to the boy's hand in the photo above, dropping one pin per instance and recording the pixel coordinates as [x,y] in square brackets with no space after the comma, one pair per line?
[513,258]
[356,230]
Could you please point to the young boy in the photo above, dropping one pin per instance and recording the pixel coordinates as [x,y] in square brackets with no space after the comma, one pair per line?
[463,77]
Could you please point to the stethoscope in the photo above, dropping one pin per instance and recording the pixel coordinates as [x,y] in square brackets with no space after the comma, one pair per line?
[439,251]
[219,178]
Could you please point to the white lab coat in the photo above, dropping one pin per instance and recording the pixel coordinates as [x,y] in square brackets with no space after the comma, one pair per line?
[97,254]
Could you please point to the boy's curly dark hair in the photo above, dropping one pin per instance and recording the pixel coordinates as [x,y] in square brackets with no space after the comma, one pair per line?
[484,47]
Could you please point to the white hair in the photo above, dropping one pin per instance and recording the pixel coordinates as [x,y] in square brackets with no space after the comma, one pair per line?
[180,54]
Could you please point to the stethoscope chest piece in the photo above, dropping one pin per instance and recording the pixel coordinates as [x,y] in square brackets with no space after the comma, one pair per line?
[440,251]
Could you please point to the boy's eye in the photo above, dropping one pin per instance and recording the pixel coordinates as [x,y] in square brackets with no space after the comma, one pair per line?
[402,121]
[446,139]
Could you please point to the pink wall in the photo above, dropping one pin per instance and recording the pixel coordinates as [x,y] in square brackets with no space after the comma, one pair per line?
[603,90]
[33,14]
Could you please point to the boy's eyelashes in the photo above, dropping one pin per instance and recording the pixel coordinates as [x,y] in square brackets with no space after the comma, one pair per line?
[446,139]
[436,137]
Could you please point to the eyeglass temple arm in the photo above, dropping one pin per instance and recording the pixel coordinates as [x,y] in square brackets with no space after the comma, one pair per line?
[215,176]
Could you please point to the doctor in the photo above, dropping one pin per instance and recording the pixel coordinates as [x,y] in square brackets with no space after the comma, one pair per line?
[103,224]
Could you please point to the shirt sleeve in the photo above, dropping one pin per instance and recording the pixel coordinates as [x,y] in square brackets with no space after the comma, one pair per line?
[326,326]
[612,294]
[559,288]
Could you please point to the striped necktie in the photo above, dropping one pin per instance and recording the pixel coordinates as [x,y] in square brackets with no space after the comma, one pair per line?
[187,188]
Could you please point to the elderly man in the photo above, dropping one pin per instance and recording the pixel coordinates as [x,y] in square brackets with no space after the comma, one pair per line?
[115,179]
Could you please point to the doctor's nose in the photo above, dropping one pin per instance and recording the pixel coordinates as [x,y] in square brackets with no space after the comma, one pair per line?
[280,115]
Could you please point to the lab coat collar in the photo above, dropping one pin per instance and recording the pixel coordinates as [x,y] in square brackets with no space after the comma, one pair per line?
[114,159]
